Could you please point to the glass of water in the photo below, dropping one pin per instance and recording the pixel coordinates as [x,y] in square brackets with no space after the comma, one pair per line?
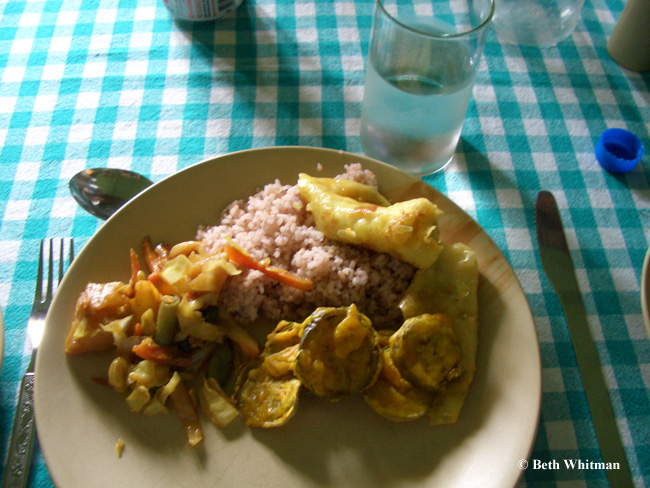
[422,64]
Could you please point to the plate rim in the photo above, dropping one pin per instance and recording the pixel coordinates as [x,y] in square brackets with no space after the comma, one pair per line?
[645,292]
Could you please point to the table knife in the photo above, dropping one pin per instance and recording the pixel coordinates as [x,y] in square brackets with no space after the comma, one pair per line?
[558,265]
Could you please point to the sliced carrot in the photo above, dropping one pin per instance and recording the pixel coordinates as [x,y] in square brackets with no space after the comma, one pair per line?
[239,256]
[135,265]
[155,258]
[163,287]
[168,355]
[137,329]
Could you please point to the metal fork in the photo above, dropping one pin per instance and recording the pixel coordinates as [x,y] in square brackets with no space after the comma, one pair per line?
[22,437]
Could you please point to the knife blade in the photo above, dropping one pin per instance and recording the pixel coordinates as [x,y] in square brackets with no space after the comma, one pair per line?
[558,265]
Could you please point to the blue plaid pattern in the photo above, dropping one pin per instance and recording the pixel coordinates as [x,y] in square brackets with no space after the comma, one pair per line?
[86,83]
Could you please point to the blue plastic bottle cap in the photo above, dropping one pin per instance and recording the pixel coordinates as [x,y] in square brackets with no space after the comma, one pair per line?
[618,150]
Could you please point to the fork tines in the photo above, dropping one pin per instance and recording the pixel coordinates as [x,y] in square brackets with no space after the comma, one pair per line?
[46,255]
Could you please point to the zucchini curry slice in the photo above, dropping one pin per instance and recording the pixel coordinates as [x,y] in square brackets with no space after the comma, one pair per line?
[338,353]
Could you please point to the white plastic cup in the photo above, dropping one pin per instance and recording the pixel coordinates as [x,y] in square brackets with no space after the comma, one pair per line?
[200,10]
[536,22]
[629,44]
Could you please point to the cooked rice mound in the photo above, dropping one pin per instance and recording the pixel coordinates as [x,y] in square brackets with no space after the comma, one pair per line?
[274,223]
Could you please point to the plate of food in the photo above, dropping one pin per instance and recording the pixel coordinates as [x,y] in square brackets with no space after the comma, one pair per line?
[289,316]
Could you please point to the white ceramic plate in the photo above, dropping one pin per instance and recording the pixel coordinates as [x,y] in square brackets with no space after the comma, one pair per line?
[342,444]
[645,292]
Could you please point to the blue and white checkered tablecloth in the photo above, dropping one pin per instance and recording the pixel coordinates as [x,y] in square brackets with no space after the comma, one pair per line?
[87,83]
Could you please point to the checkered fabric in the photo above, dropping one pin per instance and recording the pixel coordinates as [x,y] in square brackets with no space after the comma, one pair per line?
[87,83]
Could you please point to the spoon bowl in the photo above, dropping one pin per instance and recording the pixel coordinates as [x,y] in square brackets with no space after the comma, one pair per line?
[101,191]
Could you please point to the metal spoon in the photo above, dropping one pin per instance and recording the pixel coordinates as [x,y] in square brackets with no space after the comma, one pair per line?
[101,191]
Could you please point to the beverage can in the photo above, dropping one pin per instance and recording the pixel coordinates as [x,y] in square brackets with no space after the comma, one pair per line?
[200,10]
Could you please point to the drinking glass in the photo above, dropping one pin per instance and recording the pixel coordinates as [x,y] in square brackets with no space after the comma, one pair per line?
[422,64]
[536,22]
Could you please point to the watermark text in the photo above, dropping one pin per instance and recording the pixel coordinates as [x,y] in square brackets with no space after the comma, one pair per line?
[570,464]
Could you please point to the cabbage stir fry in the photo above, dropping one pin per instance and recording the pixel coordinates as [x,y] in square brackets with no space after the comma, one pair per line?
[173,346]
